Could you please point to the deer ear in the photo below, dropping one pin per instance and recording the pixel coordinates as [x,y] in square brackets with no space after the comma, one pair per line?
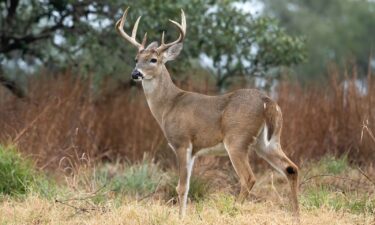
[153,45]
[172,52]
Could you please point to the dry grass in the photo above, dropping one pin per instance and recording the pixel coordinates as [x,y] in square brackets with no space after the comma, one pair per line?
[66,122]
[331,192]
[35,210]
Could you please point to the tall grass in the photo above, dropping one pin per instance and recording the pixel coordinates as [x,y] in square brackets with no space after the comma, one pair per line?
[65,119]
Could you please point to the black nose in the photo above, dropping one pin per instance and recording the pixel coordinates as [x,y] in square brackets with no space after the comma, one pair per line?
[136,75]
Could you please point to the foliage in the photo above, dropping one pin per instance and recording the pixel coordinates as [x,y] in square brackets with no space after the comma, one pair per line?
[18,177]
[240,44]
[139,179]
[225,204]
[338,31]
[323,196]
[198,191]
[80,34]
[330,165]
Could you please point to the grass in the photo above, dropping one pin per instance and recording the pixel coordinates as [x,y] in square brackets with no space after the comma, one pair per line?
[320,202]
[18,176]
[116,123]
[132,193]
[139,179]
[334,165]
[315,198]
[121,200]
[35,210]
[198,191]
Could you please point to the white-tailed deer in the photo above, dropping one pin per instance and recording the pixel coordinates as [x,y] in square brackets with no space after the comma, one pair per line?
[195,124]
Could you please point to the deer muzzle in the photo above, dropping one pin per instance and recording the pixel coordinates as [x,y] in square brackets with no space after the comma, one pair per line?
[137,75]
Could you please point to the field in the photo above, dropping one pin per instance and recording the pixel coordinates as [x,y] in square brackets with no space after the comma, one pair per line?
[344,195]
[71,155]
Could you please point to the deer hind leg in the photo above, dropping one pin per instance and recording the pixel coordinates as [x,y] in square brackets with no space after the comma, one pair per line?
[238,155]
[185,164]
[274,155]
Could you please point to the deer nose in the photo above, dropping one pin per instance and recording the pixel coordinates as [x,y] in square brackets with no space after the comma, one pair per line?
[136,74]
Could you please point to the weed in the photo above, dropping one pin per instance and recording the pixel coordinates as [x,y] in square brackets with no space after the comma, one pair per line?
[323,196]
[199,188]
[225,204]
[139,179]
[18,176]
[334,165]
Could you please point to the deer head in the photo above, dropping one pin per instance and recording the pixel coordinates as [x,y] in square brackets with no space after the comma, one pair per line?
[150,60]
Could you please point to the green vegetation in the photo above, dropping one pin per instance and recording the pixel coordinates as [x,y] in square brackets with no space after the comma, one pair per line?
[139,179]
[324,196]
[335,187]
[225,204]
[18,176]
[337,31]
[198,191]
[329,165]
[58,34]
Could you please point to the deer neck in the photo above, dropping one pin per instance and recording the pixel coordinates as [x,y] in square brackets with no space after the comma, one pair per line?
[160,93]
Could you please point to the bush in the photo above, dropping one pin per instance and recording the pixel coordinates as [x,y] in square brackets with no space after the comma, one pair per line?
[139,179]
[199,188]
[17,175]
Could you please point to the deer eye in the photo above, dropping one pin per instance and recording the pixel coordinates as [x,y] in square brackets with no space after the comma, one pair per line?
[153,60]
[136,60]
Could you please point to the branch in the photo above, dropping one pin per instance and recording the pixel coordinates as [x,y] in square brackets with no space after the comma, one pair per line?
[12,10]
[12,87]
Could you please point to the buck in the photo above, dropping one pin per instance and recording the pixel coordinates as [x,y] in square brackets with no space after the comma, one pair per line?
[195,124]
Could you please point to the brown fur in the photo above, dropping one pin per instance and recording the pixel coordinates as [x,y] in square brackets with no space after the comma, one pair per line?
[191,122]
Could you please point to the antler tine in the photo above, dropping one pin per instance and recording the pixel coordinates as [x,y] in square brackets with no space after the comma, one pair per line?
[135,28]
[120,28]
[144,40]
[181,27]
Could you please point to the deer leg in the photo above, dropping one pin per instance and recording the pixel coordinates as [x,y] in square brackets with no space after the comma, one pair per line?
[185,164]
[240,161]
[275,156]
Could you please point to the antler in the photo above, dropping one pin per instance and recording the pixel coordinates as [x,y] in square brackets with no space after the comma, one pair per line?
[132,39]
[181,27]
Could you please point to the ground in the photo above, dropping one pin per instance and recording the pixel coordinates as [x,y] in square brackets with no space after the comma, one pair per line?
[35,210]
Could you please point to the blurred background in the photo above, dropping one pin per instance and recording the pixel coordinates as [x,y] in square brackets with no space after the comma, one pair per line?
[65,74]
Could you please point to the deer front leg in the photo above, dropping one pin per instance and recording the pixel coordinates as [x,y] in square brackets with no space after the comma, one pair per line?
[185,164]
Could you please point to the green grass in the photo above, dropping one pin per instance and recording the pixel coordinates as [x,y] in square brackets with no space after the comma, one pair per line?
[323,196]
[135,180]
[225,204]
[323,192]
[18,176]
[198,191]
[334,165]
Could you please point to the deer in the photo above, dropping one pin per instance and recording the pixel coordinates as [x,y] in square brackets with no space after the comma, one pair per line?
[195,124]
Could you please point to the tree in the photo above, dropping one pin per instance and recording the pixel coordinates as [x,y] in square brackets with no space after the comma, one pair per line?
[241,45]
[338,31]
[81,34]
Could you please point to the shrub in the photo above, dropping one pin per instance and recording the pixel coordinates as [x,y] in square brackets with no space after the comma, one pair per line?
[17,175]
[225,204]
[334,165]
[199,188]
[139,179]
